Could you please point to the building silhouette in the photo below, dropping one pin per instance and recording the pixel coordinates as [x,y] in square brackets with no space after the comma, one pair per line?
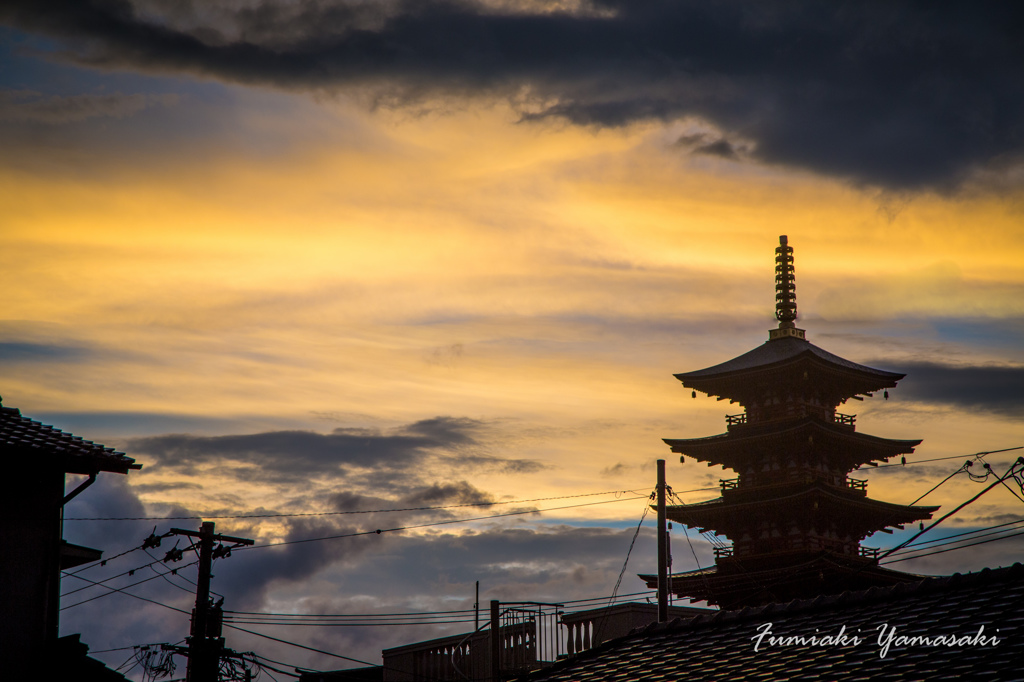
[37,459]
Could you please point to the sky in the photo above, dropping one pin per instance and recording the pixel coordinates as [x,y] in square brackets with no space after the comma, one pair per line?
[345,256]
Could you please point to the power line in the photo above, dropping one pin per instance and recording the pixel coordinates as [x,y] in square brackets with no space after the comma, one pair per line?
[303,646]
[917,545]
[361,511]
[380,531]
[459,612]
[940,459]
[951,549]
[122,591]
[100,582]
[101,562]
[999,479]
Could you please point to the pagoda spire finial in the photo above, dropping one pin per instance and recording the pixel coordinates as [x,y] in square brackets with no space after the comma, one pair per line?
[785,292]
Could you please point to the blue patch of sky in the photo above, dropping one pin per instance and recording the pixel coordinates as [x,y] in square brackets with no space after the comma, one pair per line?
[19,352]
[988,333]
[94,425]
[35,63]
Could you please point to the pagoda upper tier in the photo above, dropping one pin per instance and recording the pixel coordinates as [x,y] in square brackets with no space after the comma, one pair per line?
[788,371]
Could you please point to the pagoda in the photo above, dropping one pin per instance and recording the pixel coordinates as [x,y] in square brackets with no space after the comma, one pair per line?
[794,516]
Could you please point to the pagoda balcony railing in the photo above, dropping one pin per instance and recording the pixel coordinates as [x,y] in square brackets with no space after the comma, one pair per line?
[844,419]
[795,544]
[734,419]
[789,476]
[788,412]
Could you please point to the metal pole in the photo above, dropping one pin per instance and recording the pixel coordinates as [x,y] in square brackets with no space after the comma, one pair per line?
[476,608]
[662,547]
[495,641]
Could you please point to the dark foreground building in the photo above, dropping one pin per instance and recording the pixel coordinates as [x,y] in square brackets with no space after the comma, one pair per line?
[794,515]
[36,459]
[959,627]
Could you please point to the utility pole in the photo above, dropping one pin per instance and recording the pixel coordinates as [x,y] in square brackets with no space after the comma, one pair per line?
[476,608]
[662,547]
[205,643]
[495,641]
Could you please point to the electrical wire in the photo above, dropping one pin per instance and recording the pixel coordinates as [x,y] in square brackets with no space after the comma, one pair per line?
[999,479]
[122,591]
[575,604]
[105,580]
[361,511]
[380,531]
[303,646]
[940,459]
[102,562]
[916,545]
[951,549]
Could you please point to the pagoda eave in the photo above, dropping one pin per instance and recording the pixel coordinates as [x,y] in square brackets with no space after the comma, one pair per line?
[787,357]
[847,447]
[815,501]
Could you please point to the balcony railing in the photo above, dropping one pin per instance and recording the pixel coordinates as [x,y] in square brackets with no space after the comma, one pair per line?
[790,411]
[734,419]
[788,476]
[760,547]
[844,419]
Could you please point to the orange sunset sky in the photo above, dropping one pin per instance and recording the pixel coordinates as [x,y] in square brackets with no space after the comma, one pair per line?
[305,278]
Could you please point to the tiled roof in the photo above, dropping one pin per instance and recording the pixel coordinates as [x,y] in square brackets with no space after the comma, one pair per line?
[721,646]
[780,351]
[28,437]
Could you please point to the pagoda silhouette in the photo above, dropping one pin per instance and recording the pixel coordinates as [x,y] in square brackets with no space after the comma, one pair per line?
[794,516]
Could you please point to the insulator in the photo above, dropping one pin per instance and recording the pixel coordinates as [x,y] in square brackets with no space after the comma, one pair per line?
[920,526]
[903,461]
[886,395]
[694,394]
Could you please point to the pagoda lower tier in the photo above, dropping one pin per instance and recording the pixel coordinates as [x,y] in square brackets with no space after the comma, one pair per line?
[799,515]
[780,578]
[792,443]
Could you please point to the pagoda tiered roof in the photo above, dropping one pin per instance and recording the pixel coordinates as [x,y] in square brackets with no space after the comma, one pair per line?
[729,514]
[841,446]
[780,360]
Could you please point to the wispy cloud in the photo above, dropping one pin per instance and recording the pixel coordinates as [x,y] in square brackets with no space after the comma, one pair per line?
[30,106]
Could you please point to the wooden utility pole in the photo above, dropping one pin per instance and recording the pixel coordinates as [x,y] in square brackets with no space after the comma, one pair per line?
[205,643]
[662,547]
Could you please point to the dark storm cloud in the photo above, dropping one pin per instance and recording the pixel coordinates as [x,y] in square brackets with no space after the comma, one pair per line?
[368,457]
[308,452]
[434,494]
[993,388]
[903,95]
